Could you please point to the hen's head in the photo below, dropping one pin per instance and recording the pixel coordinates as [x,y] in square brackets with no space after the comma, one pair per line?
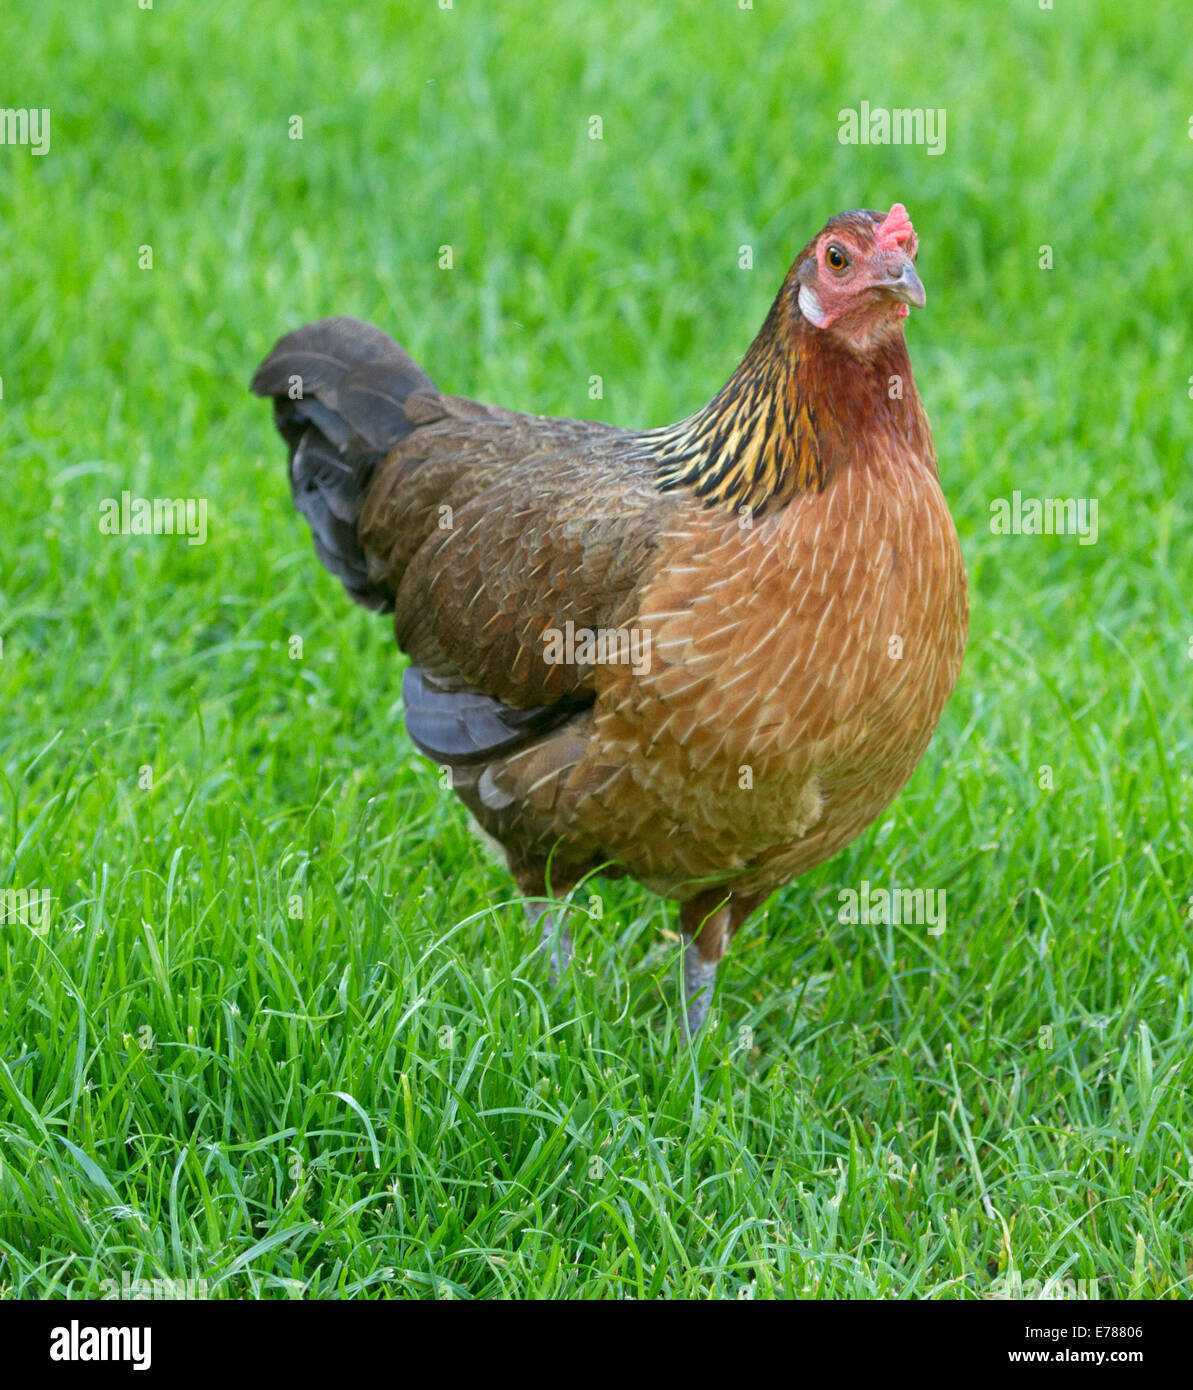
[857,280]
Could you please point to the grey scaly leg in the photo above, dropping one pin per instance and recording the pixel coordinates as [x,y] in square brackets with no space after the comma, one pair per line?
[699,976]
[706,923]
[560,948]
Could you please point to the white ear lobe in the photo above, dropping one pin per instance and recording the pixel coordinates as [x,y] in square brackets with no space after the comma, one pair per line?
[809,306]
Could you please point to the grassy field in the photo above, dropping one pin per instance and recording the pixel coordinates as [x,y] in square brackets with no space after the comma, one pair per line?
[282,1030]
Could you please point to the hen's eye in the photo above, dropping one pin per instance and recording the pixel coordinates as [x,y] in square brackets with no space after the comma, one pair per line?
[836,258]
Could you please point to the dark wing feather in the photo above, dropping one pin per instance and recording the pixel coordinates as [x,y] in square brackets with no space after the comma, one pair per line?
[461,728]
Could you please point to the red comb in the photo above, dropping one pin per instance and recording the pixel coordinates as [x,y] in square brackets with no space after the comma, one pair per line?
[894,228]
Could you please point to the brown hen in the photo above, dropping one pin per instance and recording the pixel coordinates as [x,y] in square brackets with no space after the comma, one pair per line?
[706,655]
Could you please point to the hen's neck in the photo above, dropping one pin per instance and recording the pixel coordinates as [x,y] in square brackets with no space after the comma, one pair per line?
[798,408]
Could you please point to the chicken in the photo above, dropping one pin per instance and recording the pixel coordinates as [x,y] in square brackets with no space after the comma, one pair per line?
[706,655]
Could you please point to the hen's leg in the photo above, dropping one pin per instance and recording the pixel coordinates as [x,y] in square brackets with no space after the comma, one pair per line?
[704,921]
[559,946]
[708,923]
[699,976]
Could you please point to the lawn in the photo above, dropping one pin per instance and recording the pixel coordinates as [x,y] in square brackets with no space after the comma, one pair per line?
[282,1030]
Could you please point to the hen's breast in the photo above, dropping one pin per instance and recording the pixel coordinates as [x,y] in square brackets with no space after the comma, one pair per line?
[796,670]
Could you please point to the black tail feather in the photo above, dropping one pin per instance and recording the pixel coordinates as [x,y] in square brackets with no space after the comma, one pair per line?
[339,388]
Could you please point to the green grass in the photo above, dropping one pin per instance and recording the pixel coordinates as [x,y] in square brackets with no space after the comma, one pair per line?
[381,1097]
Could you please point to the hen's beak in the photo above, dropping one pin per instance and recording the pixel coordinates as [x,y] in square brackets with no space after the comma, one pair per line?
[904,284]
